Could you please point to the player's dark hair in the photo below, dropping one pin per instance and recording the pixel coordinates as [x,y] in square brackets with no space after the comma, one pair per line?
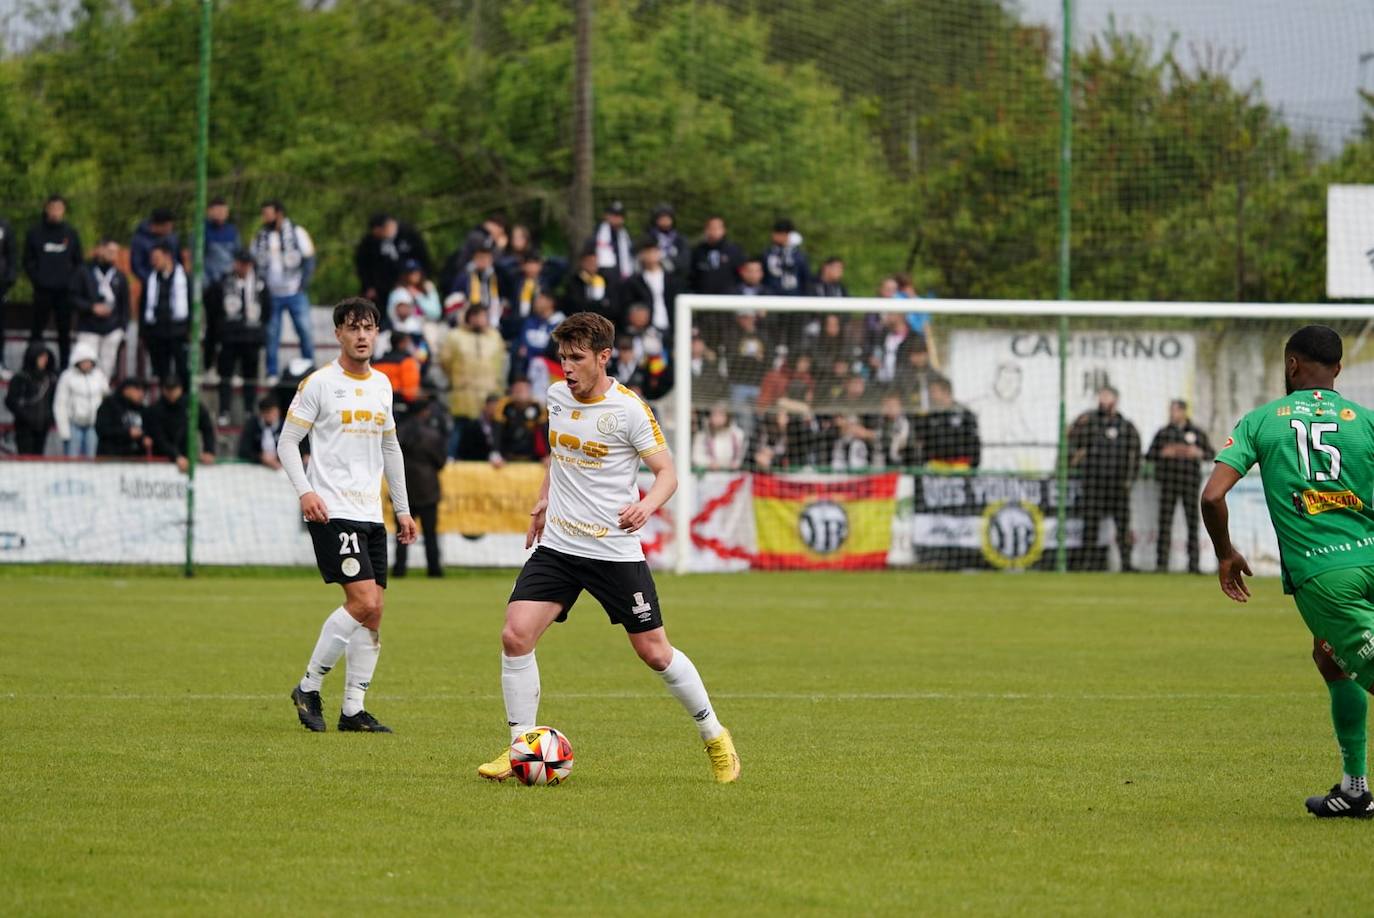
[355,309]
[587,330]
[1317,343]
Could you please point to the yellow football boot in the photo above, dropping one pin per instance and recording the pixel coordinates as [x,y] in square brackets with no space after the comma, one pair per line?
[498,769]
[724,759]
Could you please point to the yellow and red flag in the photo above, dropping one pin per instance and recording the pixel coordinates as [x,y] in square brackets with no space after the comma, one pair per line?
[823,523]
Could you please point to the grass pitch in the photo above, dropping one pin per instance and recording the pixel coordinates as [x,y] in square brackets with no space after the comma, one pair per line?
[911,743]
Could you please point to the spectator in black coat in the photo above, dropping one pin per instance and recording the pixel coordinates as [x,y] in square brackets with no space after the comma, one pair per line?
[663,230]
[244,304]
[1105,449]
[655,286]
[481,439]
[158,229]
[715,261]
[830,281]
[423,446]
[167,427]
[524,425]
[786,269]
[165,320]
[100,293]
[588,291]
[52,256]
[387,245]
[1178,451]
[258,439]
[119,424]
[611,241]
[948,433]
[30,398]
[9,272]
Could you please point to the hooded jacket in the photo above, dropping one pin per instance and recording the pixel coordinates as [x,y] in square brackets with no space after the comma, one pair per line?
[52,253]
[31,391]
[116,417]
[79,394]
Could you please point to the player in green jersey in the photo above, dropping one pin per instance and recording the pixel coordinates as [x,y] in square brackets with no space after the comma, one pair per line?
[1315,451]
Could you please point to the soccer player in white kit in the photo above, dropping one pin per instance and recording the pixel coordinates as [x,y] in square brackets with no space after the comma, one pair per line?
[584,522]
[345,408]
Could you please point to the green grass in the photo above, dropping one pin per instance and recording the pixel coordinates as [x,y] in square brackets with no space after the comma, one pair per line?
[915,744]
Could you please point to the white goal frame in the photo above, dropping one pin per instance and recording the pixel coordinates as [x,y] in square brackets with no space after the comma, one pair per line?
[691,303]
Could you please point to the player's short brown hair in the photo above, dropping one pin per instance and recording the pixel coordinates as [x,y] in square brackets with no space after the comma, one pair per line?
[356,308]
[586,330]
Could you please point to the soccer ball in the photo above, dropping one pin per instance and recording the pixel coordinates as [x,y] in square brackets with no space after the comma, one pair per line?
[541,756]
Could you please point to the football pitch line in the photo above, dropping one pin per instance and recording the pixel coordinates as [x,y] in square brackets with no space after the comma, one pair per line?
[817,697]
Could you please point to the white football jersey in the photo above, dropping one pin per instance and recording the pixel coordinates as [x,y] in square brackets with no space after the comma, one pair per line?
[347,415]
[595,448]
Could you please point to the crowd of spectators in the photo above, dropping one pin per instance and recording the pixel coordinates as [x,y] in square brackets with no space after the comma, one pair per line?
[472,335]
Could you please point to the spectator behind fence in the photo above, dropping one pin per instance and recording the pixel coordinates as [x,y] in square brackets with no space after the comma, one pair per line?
[669,242]
[285,257]
[474,358]
[9,273]
[915,375]
[480,285]
[258,439]
[1177,451]
[244,304]
[852,448]
[160,227]
[654,286]
[750,278]
[525,293]
[1105,449]
[414,307]
[948,433]
[894,444]
[221,242]
[611,241]
[535,337]
[480,440]
[30,399]
[510,263]
[402,365]
[80,390]
[524,425]
[381,254]
[719,444]
[165,323]
[830,281]
[52,257]
[422,446]
[787,272]
[781,442]
[708,375]
[119,424]
[588,291]
[100,293]
[715,260]
[167,427]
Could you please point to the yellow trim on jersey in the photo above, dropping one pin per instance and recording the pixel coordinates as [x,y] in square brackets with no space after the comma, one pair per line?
[298,421]
[367,375]
[654,451]
[653,421]
[309,376]
[585,401]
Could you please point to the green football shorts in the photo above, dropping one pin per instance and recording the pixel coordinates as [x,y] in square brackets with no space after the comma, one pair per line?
[1338,607]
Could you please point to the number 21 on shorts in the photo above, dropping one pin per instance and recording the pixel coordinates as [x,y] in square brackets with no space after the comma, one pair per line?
[348,543]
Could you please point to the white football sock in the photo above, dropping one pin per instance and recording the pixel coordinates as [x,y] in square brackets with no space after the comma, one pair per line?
[363,650]
[685,683]
[520,688]
[1354,785]
[334,635]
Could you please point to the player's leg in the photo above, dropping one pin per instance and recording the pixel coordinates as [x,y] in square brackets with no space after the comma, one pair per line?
[627,592]
[428,516]
[1338,610]
[1121,521]
[1190,517]
[364,602]
[546,589]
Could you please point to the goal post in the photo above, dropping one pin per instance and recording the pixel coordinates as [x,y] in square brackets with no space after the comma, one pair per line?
[999,362]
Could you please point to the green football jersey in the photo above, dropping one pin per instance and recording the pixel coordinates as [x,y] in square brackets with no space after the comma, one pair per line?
[1315,451]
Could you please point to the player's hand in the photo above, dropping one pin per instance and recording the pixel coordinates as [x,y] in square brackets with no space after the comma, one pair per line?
[634,516]
[1229,571]
[183,464]
[406,530]
[536,530]
[313,509]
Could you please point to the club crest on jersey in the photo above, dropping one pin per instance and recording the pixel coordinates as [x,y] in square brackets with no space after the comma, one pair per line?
[607,423]
[1347,414]
[358,391]
[1317,396]
[576,414]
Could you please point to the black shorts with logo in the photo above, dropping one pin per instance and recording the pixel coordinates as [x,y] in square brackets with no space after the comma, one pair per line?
[625,589]
[346,550]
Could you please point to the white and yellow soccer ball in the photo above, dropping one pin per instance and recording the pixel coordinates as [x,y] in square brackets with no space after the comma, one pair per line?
[541,756]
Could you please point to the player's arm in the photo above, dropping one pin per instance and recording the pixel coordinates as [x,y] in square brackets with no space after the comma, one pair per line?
[300,417]
[665,483]
[393,467]
[1231,565]
[536,530]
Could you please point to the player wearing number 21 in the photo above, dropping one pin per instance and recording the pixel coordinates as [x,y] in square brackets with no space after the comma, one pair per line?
[345,408]
[585,523]
[1315,451]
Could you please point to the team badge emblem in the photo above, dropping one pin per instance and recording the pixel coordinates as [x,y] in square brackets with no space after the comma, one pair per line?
[1347,414]
[350,567]
[357,391]
[607,423]
[1230,441]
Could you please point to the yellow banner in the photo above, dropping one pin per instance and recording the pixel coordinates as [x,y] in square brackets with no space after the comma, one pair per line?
[477,498]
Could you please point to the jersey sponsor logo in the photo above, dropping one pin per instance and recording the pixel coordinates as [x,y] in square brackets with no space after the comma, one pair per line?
[607,423]
[641,608]
[1230,441]
[1347,414]
[576,414]
[1284,411]
[1315,502]
[578,528]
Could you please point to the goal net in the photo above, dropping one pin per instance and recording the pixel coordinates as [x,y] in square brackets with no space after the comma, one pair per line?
[849,433]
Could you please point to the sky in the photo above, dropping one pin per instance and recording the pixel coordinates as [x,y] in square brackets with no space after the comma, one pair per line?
[1305,53]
